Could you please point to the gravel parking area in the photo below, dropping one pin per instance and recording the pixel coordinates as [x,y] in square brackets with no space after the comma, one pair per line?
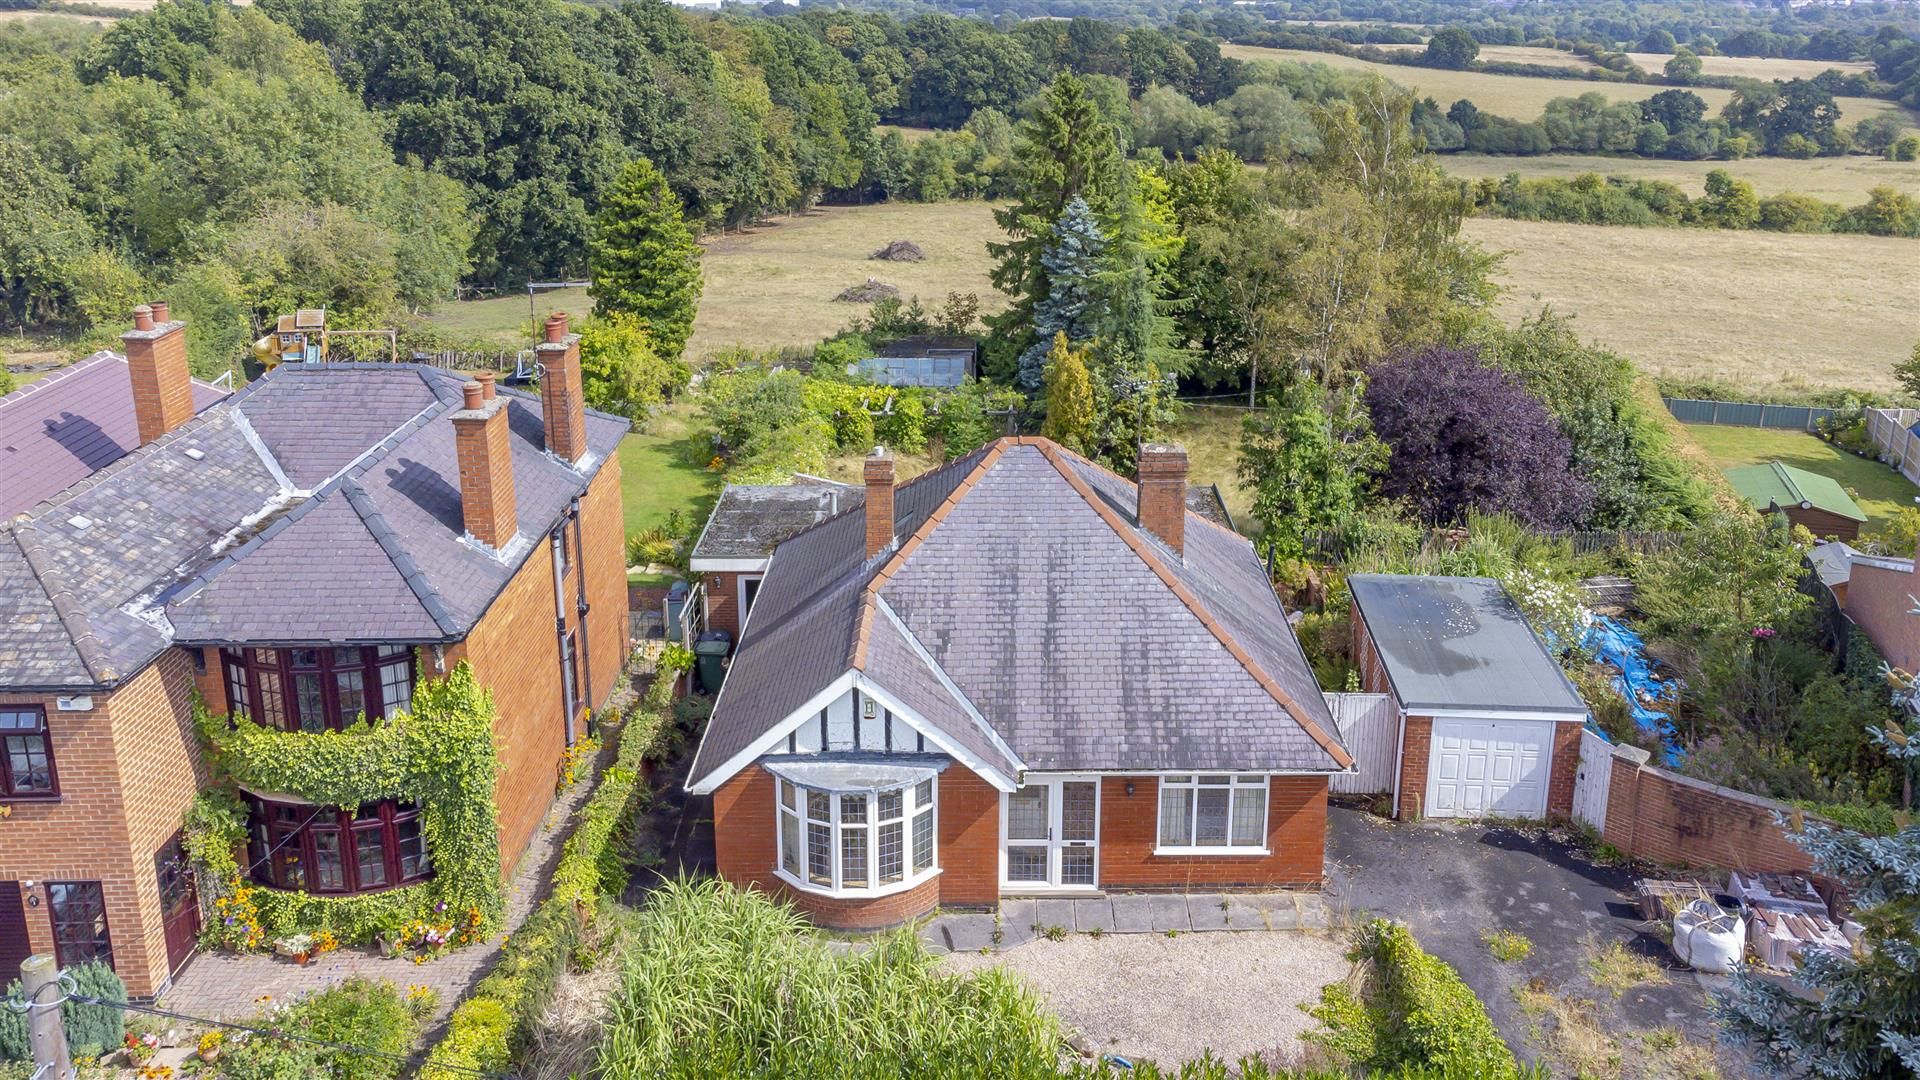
[1169,999]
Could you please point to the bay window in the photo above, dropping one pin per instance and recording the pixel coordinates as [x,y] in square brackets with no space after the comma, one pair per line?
[323,849]
[873,840]
[1213,813]
[321,687]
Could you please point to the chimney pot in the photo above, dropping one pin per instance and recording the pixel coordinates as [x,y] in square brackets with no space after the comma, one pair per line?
[474,394]
[143,318]
[878,473]
[557,326]
[161,313]
[485,379]
[1162,507]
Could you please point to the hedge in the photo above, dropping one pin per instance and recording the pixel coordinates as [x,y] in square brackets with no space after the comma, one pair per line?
[490,1027]
[1415,1013]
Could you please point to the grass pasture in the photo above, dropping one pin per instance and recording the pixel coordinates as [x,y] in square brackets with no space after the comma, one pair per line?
[1754,67]
[1845,180]
[505,321]
[1518,97]
[1879,489]
[1757,309]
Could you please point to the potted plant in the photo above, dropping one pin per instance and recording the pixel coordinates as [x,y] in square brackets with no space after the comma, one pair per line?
[298,947]
[210,1046]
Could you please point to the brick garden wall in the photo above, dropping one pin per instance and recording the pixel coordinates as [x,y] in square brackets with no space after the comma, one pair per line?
[1129,824]
[1876,599]
[1566,770]
[1665,818]
[1416,752]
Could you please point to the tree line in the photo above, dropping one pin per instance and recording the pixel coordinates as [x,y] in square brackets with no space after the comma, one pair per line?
[1727,203]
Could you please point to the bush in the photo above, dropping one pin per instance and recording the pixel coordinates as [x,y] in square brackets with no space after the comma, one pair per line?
[358,1012]
[1414,1013]
[92,1030]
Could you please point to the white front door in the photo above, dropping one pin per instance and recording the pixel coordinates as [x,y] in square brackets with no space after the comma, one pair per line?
[1489,768]
[1052,831]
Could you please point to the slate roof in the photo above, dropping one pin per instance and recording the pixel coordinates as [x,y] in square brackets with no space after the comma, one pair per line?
[1834,560]
[78,420]
[1775,486]
[1023,579]
[749,520]
[1459,643]
[320,504]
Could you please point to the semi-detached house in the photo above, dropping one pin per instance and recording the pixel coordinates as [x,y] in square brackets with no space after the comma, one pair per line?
[302,551]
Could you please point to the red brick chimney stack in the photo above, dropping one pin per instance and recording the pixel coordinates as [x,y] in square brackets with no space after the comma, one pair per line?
[1163,493]
[562,400]
[156,351]
[879,477]
[485,454]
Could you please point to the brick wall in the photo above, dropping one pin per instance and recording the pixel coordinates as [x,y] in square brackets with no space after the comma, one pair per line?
[723,601]
[128,770]
[603,532]
[1659,816]
[1566,770]
[1416,751]
[969,850]
[1296,840]
[1366,657]
[1876,599]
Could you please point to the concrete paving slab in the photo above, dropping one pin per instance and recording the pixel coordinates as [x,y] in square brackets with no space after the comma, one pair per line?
[1051,913]
[1133,913]
[960,933]
[1241,915]
[1208,911]
[1092,915]
[1169,912]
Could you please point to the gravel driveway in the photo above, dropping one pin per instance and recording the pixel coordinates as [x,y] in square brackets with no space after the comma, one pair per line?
[1169,999]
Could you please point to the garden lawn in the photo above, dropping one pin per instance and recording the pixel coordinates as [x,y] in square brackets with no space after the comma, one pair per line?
[1877,488]
[664,468]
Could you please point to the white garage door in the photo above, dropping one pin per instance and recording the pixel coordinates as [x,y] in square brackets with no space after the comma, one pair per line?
[1487,768]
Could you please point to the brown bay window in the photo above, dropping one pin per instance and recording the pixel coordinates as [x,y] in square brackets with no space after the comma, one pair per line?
[323,849]
[319,688]
[26,754]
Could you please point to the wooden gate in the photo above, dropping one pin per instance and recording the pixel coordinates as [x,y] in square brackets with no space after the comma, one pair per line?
[1591,783]
[1370,726]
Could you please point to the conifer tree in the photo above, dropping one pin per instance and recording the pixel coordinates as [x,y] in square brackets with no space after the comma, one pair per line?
[1072,264]
[1069,396]
[644,259]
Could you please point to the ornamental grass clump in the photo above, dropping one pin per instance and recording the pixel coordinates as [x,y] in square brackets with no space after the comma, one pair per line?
[726,982]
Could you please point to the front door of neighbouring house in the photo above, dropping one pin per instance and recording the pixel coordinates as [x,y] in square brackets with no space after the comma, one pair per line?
[179,902]
[14,946]
[1052,830]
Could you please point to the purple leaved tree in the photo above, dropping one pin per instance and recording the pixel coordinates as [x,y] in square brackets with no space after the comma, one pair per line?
[1467,437]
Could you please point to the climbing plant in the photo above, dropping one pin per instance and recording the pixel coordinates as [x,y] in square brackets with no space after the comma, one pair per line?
[439,756]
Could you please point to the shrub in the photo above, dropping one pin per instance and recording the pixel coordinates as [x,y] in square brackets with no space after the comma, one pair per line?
[357,1011]
[92,1030]
[1414,1013]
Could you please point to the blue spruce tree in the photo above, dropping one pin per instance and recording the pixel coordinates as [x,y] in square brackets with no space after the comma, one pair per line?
[1071,264]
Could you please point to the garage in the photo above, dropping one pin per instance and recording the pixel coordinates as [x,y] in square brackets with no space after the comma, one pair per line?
[1487,723]
[1489,768]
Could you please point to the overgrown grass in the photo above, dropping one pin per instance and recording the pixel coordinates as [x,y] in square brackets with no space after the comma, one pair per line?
[1617,969]
[1507,946]
[1879,489]
[724,981]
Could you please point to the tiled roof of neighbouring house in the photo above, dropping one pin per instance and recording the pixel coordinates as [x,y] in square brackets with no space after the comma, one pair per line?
[1459,643]
[1777,486]
[321,503]
[1023,578]
[56,431]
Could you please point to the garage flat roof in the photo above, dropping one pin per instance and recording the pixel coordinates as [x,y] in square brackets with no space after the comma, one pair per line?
[1459,643]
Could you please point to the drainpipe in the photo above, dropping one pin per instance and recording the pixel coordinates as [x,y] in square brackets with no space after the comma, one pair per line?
[580,598]
[560,632]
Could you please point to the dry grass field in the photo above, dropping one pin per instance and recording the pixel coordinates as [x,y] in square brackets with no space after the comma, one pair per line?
[774,284]
[1754,308]
[1755,67]
[1837,179]
[1519,97]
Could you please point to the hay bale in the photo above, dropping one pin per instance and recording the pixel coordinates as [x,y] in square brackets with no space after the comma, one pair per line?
[900,251]
[867,292]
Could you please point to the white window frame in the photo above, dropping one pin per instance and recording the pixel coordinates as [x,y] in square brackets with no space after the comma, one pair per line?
[910,811]
[740,595]
[1237,782]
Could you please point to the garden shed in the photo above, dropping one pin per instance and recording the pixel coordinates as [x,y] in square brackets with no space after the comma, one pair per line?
[1489,725]
[1806,498]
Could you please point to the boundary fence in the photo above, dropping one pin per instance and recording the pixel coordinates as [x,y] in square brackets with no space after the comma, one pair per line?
[1899,446]
[1746,413]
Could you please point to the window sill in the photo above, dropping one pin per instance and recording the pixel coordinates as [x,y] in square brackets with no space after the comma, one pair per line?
[29,800]
[1244,852]
[811,889]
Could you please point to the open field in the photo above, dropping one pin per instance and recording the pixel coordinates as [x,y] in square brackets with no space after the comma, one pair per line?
[1754,308]
[1845,180]
[506,322]
[1755,67]
[60,16]
[774,284]
[1879,489]
[1518,97]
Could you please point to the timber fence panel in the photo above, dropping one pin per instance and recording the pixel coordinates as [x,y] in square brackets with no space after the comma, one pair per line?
[1369,725]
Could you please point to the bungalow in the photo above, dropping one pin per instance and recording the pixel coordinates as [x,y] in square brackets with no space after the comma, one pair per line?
[1817,502]
[302,552]
[1489,725]
[1017,674]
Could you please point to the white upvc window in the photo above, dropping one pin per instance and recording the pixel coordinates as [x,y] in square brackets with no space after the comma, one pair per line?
[856,843]
[1213,814]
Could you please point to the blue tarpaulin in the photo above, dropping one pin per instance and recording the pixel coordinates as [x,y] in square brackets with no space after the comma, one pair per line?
[1615,644]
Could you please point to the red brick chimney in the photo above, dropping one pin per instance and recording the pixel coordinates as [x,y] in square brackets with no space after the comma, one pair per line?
[562,401]
[879,477]
[486,468]
[156,351]
[1163,493]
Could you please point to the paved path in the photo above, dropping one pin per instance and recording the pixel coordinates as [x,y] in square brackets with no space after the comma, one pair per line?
[1022,920]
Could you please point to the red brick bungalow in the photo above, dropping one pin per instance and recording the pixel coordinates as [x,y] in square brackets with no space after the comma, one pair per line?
[1018,674]
[293,552]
